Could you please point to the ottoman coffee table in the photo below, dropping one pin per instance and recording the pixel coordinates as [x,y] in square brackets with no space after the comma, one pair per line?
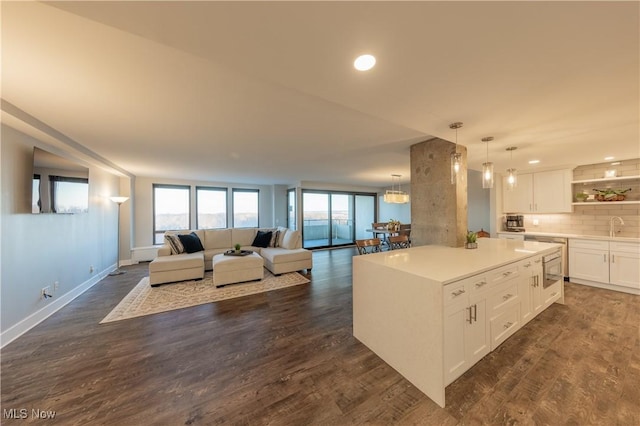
[237,269]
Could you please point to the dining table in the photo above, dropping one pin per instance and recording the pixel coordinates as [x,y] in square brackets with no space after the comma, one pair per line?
[386,232]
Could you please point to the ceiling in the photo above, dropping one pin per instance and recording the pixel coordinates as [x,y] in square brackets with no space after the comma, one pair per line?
[265,92]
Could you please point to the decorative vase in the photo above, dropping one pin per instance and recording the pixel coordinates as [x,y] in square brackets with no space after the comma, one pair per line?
[470,245]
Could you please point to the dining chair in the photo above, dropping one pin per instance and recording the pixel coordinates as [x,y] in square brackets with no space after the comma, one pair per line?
[483,234]
[405,230]
[369,245]
[399,242]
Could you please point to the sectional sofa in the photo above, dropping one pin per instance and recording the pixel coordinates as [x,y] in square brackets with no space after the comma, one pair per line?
[284,253]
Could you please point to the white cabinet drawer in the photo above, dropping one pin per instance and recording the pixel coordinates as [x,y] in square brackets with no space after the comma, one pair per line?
[504,325]
[503,274]
[551,294]
[506,295]
[519,237]
[471,286]
[454,292]
[589,244]
[626,247]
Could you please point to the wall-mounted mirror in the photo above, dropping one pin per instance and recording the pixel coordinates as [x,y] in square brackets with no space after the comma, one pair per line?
[59,185]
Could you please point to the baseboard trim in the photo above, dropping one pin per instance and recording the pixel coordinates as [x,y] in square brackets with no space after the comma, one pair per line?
[17,330]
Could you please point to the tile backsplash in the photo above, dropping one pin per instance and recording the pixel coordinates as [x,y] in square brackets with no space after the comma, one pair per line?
[593,219]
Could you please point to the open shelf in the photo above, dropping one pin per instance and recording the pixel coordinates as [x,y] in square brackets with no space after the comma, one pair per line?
[613,179]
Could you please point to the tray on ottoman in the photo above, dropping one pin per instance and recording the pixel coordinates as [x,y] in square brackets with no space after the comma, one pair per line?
[238,253]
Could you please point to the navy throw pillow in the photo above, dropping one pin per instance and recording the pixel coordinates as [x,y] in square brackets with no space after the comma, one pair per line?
[262,239]
[191,242]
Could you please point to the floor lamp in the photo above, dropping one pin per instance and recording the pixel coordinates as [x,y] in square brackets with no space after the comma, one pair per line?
[118,201]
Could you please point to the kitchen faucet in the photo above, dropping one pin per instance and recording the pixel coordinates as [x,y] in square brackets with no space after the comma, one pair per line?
[612,225]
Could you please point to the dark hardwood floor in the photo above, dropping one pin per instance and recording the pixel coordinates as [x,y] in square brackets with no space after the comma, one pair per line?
[288,357]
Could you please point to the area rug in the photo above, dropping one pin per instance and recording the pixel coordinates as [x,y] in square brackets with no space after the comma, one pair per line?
[147,300]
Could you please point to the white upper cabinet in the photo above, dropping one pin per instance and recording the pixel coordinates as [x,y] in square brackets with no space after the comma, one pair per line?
[540,192]
[519,199]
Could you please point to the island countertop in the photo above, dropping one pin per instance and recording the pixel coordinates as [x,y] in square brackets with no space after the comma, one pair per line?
[448,264]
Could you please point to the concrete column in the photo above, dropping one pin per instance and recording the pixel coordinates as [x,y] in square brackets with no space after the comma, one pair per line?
[438,208]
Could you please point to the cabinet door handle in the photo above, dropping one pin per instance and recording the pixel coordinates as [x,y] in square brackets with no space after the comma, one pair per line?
[470,319]
[481,284]
[507,296]
[528,264]
[613,258]
[538,260]
[605,258]
[458,292]
[475,312]
[507,325]
[506,274]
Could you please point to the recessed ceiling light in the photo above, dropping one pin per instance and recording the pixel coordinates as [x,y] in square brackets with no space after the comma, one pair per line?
[364,62]
[616,163]
[534,161]
[608,158]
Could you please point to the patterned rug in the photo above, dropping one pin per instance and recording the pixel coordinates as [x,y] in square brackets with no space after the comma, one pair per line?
[147,300]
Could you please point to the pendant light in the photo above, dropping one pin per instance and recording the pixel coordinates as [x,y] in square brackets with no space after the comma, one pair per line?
[396,196]
[487,167]
[512,174]
[456,157]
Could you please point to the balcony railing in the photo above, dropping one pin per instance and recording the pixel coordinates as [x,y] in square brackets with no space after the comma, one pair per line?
[318,229]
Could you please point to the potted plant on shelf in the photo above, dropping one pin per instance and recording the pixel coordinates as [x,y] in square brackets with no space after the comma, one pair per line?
[237,247]
[472,239]
[610,194]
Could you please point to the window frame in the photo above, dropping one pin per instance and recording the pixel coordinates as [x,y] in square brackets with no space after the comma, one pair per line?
[233,207]
[153,207]
[226,202]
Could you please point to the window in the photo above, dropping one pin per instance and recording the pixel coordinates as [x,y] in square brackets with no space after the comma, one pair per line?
[35,194]
[69,194]
[245,208]
[171,209]
[211,207]
[291,209]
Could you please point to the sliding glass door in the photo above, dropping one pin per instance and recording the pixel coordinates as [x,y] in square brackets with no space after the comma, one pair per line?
[341,219]
[332,218]
[365,215]
[315,219]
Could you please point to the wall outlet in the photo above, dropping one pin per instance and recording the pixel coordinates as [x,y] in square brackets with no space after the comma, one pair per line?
[56,286]
[91,269]
[45,292]
[535,222]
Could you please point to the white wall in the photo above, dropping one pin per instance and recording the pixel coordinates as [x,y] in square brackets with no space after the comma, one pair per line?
[143,204]
[387,211]
[40,249]
[280,206]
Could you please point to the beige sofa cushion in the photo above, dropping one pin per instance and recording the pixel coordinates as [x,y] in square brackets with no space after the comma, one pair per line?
[291,240]
[280,255]
[281,233]
[242,236]
[217,239]
[177,262]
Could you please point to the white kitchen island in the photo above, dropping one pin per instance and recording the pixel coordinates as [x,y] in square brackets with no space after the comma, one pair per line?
[432,312]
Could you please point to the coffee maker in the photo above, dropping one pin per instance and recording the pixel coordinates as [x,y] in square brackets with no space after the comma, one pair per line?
[515,223]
